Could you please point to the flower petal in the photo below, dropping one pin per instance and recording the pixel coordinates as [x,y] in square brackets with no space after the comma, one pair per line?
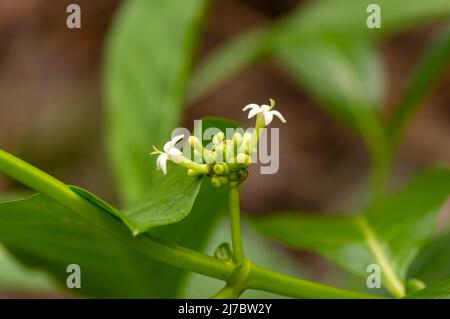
[265,108]
[161,163]
[175,155]
[278,114]
[251,106]
[172,142]
[268,116]
[253,112]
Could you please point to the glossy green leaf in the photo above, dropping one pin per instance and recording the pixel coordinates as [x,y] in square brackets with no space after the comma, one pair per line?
[437,291]
[169,200]
[432,66]
[42,233]
[148,58]
[432,265]
[390,233]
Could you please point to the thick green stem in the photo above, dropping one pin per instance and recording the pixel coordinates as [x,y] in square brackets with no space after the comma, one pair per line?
[235,218]
[113,227]
[256,278]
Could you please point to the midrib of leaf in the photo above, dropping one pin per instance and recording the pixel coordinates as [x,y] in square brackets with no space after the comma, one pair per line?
[392,282]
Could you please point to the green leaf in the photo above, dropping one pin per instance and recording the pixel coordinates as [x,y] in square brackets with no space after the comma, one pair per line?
[434,63]
[148,58]
[341,18]
[16,277]
[438,291]
[432,265]
[43,233]
[169,200]
[390,233]
[346,76]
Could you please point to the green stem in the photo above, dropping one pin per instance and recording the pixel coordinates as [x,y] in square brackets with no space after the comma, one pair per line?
[113,227]
[257,278]
[235,219]
[267,280]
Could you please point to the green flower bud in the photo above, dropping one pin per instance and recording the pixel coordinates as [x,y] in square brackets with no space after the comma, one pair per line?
[215,182]
[233,177]
[413,285]
[234,166]
[221,169]
[191,172]
[224,252]
[242,175]
[237,139]
[233,184]
[219,149]
[218,138]
[244,159]
[224,180]
[194,141]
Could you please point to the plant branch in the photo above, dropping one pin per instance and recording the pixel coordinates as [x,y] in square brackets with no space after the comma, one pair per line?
[258,277]
[238,251]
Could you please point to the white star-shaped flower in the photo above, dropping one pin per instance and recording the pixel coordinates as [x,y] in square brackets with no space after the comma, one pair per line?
[170,153]
[266,110]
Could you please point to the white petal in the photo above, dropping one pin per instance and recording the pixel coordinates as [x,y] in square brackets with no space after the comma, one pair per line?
[161,163]
[175,155]
[278,114]
[251,106]
[265,108]
[268,116]
[172,142]
[177,138]
[253,112]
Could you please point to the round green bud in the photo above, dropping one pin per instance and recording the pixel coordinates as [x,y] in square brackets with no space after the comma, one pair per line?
[243,159]
[242,175]
[191,172]
[224,180]
[194,141]
[218,138]
[224,252]
[413,285]
[233,184]
[215,182]
[233,177]
[237,139]
[234,166]
[219,169]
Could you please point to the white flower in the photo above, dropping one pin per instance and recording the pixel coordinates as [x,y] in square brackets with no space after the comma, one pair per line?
[266,110]
[170,153]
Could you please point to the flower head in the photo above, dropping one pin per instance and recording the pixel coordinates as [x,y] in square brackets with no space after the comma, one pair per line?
[266,111]
[170,153]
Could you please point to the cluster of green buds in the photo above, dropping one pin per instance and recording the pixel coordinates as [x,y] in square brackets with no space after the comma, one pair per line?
[227,160]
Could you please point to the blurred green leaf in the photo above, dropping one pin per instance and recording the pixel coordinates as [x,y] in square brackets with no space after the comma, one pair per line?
[390,233]
[437,291]
[347,77]
[432,265]
[43,233]
[148,59]
[16,277]
[229,60]
[432,65]
[336,18]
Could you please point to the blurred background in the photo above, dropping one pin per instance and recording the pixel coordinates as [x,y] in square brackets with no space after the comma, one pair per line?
[51,108]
